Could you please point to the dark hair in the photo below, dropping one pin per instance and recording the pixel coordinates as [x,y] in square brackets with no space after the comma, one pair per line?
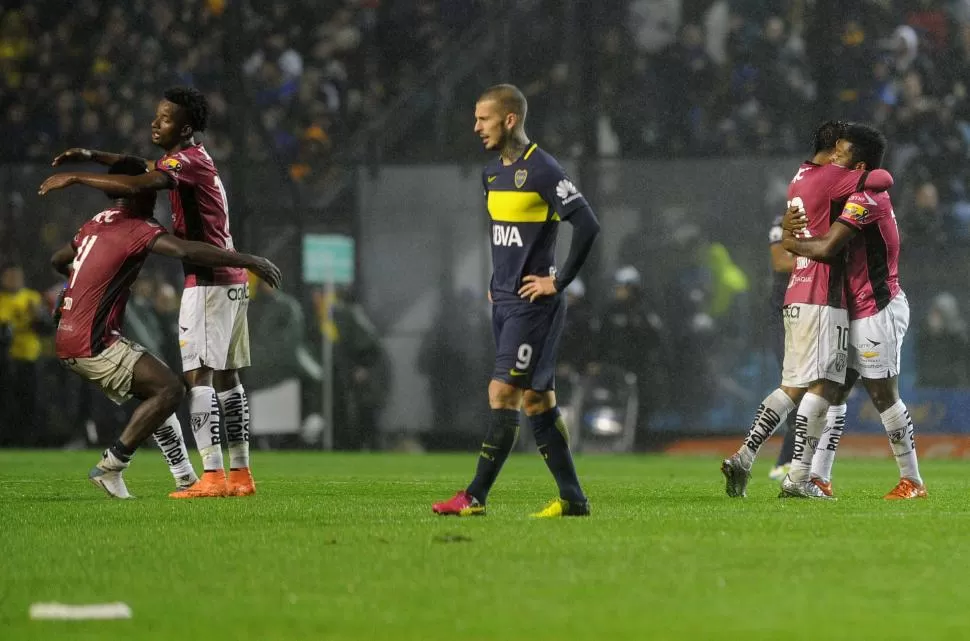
[193,102]
[827,134]
[509,98]
[868,145]
[10,264]
[127,166]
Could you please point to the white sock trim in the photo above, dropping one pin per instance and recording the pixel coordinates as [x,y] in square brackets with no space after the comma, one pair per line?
[235,421]
[902,439]
[204,408]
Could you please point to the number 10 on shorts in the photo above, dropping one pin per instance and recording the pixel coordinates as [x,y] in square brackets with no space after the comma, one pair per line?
[843,341]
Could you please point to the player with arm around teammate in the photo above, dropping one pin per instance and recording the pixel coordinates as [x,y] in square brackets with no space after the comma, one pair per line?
[213,329]
[816,326]
[878,311]
[102,262]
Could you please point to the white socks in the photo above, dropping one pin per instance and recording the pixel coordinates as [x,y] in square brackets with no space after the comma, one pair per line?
[205,425]
[773,411]
[902,440]
[172,444]
[809,423]
[235,418]
[829,443]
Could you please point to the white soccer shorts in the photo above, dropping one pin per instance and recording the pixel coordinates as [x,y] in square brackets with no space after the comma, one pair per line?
[876,342]
[213,331]
[816,344]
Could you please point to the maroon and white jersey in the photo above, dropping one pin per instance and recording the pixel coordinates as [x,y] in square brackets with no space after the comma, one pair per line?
[872,269]
[821,190]
[111,249]
[200,211]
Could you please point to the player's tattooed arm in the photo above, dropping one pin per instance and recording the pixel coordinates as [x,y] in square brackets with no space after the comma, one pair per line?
[207,255]
[108,183]
[62,259]
[78,154]
[824,249]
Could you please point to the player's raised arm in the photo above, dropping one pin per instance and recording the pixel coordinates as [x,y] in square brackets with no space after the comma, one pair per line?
[108,183]
[79,154]
[208,255]
[859,180]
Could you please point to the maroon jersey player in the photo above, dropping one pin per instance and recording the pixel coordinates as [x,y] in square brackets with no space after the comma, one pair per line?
[877,308]
[213,330]
[816,325]
[101,263]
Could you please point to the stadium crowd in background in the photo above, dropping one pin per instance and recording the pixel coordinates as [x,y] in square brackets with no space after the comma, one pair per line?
[675,77]
[689,78]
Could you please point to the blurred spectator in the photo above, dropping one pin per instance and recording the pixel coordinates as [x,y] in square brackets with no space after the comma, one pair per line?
[942,345]
[924,221]
[361,375]
[273,312]
[453,357]
[142,324]
[581,335]
[22,319]
[687,75]
[630,338]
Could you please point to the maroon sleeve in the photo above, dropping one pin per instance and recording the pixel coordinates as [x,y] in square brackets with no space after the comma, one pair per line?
[862,209]
[878,180]
[849,182]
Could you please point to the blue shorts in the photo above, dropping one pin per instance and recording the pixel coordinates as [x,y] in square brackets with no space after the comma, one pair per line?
[526,341]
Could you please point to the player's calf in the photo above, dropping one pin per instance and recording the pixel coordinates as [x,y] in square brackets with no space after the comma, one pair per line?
[234,407]
[161,392]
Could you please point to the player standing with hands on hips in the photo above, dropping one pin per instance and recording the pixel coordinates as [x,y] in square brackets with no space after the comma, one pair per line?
[527,195]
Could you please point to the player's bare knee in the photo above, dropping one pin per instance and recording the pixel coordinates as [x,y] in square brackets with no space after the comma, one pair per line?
[534,403]
[171,394]
[225,380]
[794,393]
[502,396]
[829,390]
[199,377]
[882,392]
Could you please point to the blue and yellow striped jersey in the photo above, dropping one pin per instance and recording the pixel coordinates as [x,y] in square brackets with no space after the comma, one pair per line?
[526,200]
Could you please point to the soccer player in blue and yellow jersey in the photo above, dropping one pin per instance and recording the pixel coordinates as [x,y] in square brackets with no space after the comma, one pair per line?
[528,194]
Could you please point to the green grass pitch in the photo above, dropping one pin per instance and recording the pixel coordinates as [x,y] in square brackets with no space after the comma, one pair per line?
[346,547]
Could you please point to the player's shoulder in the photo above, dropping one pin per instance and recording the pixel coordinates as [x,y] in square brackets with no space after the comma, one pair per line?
[194,157]
[541,160]
[545,172]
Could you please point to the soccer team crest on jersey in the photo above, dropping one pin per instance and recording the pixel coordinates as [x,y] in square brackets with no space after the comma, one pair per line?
[855,211]
[520,177]
[841,360]
[173,164]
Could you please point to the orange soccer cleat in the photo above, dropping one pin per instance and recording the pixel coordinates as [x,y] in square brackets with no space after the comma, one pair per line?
[907,489]
[241,482]
[211,485]
[825,486]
